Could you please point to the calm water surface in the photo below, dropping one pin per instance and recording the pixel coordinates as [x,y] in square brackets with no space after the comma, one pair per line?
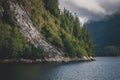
[101,69]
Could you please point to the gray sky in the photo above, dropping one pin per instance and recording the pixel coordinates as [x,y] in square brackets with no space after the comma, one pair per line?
[91,10]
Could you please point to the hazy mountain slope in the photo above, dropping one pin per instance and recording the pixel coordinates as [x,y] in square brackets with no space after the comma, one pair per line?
[106,34]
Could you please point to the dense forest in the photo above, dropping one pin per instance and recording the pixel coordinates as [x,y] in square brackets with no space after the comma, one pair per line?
[61,29]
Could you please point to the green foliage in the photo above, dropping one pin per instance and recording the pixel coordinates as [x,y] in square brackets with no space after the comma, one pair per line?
[71,37]
[45,16]
[14,45]
[4,39]
[18,42]
[12,42]
[34,7]
[52,6]
[62,30]
[52,36]
[80,42]
[35,11]
[68,44]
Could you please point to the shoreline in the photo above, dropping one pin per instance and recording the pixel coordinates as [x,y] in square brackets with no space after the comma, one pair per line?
[48,60]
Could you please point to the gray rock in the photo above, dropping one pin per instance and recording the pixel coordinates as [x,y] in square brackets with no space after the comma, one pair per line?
[36,38]
[30,31]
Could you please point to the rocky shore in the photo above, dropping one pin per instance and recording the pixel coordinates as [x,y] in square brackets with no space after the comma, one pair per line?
[62,59]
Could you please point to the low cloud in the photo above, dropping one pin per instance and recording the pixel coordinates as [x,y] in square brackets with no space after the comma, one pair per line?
[91,10]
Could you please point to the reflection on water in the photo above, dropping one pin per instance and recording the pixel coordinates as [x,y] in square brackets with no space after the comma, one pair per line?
[101,69]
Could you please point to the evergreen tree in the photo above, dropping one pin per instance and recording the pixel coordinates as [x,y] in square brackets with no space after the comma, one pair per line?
[52,6]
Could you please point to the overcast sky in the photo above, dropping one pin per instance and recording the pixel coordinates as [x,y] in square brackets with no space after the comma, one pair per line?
[91,10]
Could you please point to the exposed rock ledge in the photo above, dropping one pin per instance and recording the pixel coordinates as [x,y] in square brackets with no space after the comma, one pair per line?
[63,59]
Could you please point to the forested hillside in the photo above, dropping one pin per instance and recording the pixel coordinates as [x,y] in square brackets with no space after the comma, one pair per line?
[61,29]
[106,35]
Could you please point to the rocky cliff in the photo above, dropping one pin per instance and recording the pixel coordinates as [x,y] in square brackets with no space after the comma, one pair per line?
[30,31]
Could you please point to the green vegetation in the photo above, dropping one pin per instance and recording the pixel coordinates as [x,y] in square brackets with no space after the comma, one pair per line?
[62,30]
[52,6]
[71,37]
[14,45]
[12,42]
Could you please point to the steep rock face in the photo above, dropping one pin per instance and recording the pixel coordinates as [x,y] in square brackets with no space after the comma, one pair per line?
[30,31]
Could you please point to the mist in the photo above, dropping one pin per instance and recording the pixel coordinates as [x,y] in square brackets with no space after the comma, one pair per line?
[91,10]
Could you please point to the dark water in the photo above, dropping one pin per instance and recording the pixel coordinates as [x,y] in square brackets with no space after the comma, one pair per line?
[101,69]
